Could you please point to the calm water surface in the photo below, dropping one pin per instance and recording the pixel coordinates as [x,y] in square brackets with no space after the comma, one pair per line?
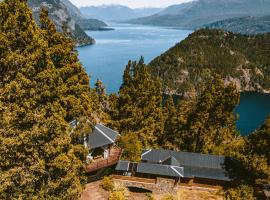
[106,60]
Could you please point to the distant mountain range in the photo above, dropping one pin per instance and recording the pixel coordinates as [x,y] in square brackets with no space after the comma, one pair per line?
[201,12]
[244,25]
[116,12]
[63,11]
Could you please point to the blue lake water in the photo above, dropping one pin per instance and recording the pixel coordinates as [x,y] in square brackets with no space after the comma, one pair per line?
[107,59]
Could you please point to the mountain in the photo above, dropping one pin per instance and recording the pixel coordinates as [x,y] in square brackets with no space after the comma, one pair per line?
[244,25]
[243,60]
[116,12]
[198,13]
[60,15]
[85,24]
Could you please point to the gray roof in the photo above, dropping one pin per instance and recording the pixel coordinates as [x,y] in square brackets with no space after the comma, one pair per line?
[158,169]
[194,164]
[101,136]
[122,165]
[185,158]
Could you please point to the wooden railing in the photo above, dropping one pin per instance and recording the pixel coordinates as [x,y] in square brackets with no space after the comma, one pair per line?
[134,179]
[102,163]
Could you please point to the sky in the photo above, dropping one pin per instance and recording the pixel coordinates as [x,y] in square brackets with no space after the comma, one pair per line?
[129,3]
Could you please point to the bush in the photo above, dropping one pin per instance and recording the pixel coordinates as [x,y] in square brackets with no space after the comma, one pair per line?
[107,184]
[121,188]
[169,197]
[240,192]
[149,196]
[116,195]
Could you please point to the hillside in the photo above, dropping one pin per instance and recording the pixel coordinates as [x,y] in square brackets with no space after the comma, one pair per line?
[81,20]
[116,12]
[198,13]
[60,15]
[244,25]
[243,60]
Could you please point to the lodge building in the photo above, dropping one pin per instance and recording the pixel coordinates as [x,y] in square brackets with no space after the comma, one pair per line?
[182,167]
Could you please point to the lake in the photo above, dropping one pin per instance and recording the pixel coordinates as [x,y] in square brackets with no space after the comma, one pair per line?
[106,60]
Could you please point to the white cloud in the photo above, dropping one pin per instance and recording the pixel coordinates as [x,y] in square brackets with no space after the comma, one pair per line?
[130,3]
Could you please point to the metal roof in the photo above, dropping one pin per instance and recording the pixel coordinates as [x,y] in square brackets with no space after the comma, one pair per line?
[194,164]
[122,165]
[158,169]
[208,173]
[101,136]
[186,158]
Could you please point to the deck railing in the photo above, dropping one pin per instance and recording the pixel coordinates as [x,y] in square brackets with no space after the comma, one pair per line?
[105,162]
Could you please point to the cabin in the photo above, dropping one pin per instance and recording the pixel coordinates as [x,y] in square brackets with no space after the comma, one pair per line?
[103,149]
[101,142]
[184,167]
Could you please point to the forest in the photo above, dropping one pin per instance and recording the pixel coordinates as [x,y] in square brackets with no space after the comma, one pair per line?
[43,87]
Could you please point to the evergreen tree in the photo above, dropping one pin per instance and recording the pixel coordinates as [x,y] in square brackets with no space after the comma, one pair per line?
[42,87]
[102,97]
[211,121]
[132,147]
[139,105]
[171,124]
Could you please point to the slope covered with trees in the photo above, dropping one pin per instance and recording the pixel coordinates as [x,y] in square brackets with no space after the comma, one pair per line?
[244,25]
[42,88]
[203,124]
[195,14]
[239,59]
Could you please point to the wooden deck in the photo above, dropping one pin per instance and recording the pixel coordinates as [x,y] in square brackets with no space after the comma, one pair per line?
[102,163]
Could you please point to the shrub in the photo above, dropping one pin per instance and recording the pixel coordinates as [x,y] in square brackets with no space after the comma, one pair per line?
[149,196]
[240,192]
[169,197]
[107,184]
[116,195]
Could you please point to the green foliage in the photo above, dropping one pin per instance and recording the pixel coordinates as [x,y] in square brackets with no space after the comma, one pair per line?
[171,124]
[237,58]
[207,123]
[117,195]
[149,196]
[107,184]
[239,193]
[169,197]
[132,147]
[42,88]
[138,107]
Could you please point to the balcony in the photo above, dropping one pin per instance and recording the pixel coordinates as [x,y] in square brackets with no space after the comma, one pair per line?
[100,163]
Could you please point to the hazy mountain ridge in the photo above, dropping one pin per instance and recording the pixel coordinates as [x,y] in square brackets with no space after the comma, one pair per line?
[242,60]
[84,23]
[198,13]
[116,12]
[60,15]
[244,25]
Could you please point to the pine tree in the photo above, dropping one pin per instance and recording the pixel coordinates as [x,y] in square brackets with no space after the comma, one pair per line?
[171,124]
[211,121]
[139,105]
[42,87]
[102,97]
[132,147]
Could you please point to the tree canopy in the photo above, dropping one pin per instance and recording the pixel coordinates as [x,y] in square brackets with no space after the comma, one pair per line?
[42,88]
